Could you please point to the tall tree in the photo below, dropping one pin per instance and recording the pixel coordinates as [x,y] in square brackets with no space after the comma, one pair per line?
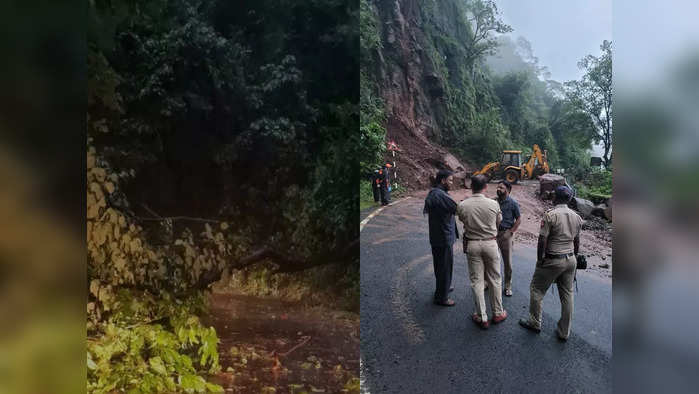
[483,17]
[593,94]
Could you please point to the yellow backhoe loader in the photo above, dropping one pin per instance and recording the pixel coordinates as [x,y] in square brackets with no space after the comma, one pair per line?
[511,169]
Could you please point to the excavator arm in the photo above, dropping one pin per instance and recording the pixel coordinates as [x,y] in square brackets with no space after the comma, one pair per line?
[537,157]
[492,166]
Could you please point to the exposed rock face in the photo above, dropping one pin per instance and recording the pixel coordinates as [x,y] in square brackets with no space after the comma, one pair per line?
[414,95]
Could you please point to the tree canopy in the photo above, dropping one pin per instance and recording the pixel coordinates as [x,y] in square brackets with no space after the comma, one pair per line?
[219,135]
[593,95]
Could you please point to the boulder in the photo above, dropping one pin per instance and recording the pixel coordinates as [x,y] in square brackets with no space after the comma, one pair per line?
[584,207]
[603,211]
[461,179]
[608,211]
[452,163]
[598,210]
[549,183]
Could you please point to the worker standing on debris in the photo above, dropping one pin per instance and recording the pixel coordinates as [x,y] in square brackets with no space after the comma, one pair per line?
[481,217]
[511,219]
[443,233]
[385,184]
[559,241]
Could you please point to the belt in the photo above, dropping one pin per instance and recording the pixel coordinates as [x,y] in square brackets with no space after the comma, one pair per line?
[558,256]
[484,239]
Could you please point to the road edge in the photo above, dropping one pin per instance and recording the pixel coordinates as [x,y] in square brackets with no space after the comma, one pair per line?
[376,212]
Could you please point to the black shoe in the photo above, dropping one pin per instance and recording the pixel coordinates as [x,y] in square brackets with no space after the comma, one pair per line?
[447,302]
[526,324]
[451,289]
[560,338]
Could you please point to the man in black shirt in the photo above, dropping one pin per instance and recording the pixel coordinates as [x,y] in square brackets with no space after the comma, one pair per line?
[443,232]
[376,186]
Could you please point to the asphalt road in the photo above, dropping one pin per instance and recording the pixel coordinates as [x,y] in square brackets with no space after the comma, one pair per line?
[409,345]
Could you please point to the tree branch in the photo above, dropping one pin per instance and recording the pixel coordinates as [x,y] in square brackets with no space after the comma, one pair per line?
[286,264]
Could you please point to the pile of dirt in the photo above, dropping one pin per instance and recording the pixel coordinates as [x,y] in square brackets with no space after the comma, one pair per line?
[595,238]
[419,159]
[595,223]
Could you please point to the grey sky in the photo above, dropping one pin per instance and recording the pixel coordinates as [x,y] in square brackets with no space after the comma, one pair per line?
[561,31]
[652,37]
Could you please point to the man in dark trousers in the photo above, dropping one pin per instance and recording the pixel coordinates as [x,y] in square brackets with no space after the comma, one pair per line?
[376,186]
[385,184]
[443,232]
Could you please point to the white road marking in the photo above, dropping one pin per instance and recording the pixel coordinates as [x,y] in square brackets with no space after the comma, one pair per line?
[362,379]
[376,212]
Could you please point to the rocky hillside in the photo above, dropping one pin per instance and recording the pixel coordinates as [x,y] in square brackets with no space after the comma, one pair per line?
[413,92]
[426,84]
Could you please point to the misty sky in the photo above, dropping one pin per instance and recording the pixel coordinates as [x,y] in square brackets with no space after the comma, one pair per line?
[561,31]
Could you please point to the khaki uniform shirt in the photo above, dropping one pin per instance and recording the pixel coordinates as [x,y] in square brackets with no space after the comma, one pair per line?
[561,225]
[479,215]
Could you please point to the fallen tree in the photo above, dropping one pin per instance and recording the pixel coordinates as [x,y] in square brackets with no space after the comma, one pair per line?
[141,294]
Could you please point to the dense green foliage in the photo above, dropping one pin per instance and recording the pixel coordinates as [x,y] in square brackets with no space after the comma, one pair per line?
[372,131]
[153,358]
[243,113]
[595,184]
[592,94]
[366,195]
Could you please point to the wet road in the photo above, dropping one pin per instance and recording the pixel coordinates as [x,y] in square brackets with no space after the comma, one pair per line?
[409,345]
[267,343]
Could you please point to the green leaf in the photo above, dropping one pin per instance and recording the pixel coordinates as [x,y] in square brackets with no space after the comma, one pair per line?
[192,383]
[91,364]
[214,388]
[157,364]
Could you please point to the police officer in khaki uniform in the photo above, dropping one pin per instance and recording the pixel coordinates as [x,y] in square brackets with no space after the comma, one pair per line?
[481,217]
[559,241]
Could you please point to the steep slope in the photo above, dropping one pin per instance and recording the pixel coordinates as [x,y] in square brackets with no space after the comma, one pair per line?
[413,94]
[427,86]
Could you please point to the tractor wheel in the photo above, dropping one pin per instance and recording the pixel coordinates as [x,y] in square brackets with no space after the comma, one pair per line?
[511,176]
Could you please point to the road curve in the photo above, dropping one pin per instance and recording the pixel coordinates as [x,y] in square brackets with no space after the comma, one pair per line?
[409,345]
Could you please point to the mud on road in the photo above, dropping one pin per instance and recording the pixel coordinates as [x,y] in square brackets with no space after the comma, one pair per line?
[595,239]
[272,346]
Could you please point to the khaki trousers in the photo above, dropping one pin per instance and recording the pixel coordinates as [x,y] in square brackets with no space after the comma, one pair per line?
[505,245]
[484,264]
[561,271]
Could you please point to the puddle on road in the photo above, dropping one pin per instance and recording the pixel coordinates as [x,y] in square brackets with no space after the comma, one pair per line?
[273,346]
